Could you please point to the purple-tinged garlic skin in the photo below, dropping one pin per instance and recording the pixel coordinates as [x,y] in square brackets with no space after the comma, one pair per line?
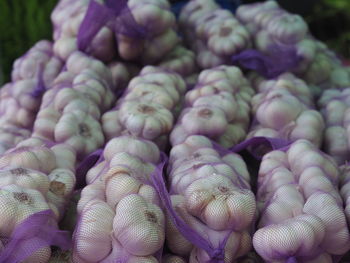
[71,110]
[134,226]
[284,109]
[122,73]
[217,107]
[39,58]
[213,33]
[302,214]
[180,60]
[148,106]
[334,105]
[38,180]
[66,18]
[18,203]
[272,27]
[156,18]
[211,192]
[153,18]
[32,74]
[345,189]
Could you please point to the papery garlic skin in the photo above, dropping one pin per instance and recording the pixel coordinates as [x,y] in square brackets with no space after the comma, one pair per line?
[213,33]
[217,107]
[71,109]
[211,192]
[284,109]
[148,106]
[297,197]
[134,229]
[153,18]
[39,58]
[334,105]
[32,74]
[345,189]
[66,18]
[274,29]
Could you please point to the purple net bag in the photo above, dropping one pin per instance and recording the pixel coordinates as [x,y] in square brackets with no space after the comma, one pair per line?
[137,35]
[31,236]
[282,39]
[35,187]
[212,32]
[217,107]
[282,59]
[132,226]
[20,100]
[71,109]
[334,105]
[214,234]
[99,15]
[284,108]
[258,146]
[39,60]
[152,99]
[300,207]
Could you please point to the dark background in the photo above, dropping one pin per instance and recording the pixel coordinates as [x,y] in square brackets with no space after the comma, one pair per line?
[23,22]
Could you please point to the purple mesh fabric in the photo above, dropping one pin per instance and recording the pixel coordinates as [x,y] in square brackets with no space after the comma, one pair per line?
[345,188]
[300,207]
[84,88]
[71,109]
[282,42]
[155,98]
[40,87]
[281,60]
[37,182]
[213,33]
[106,193]
[216,253]
[284,108]
[38,62]
[37,231]
[260,146]
[334,105]
[48,160]
[218,107]
[197,160]
[97,15]
[143,30]
[85,166]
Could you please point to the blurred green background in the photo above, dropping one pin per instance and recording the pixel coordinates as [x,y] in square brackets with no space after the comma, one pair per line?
[23,22]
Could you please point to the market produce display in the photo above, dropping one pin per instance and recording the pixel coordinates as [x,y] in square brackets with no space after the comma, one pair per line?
[142,30]
[212,32]
[334,105]
[286,39]
[136,136]
[218,107]
[148,106]
[301,211]
[211,191]
[120,215]
[120,208]
[345,188]
[284,108]
[20,99]
[36,184]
